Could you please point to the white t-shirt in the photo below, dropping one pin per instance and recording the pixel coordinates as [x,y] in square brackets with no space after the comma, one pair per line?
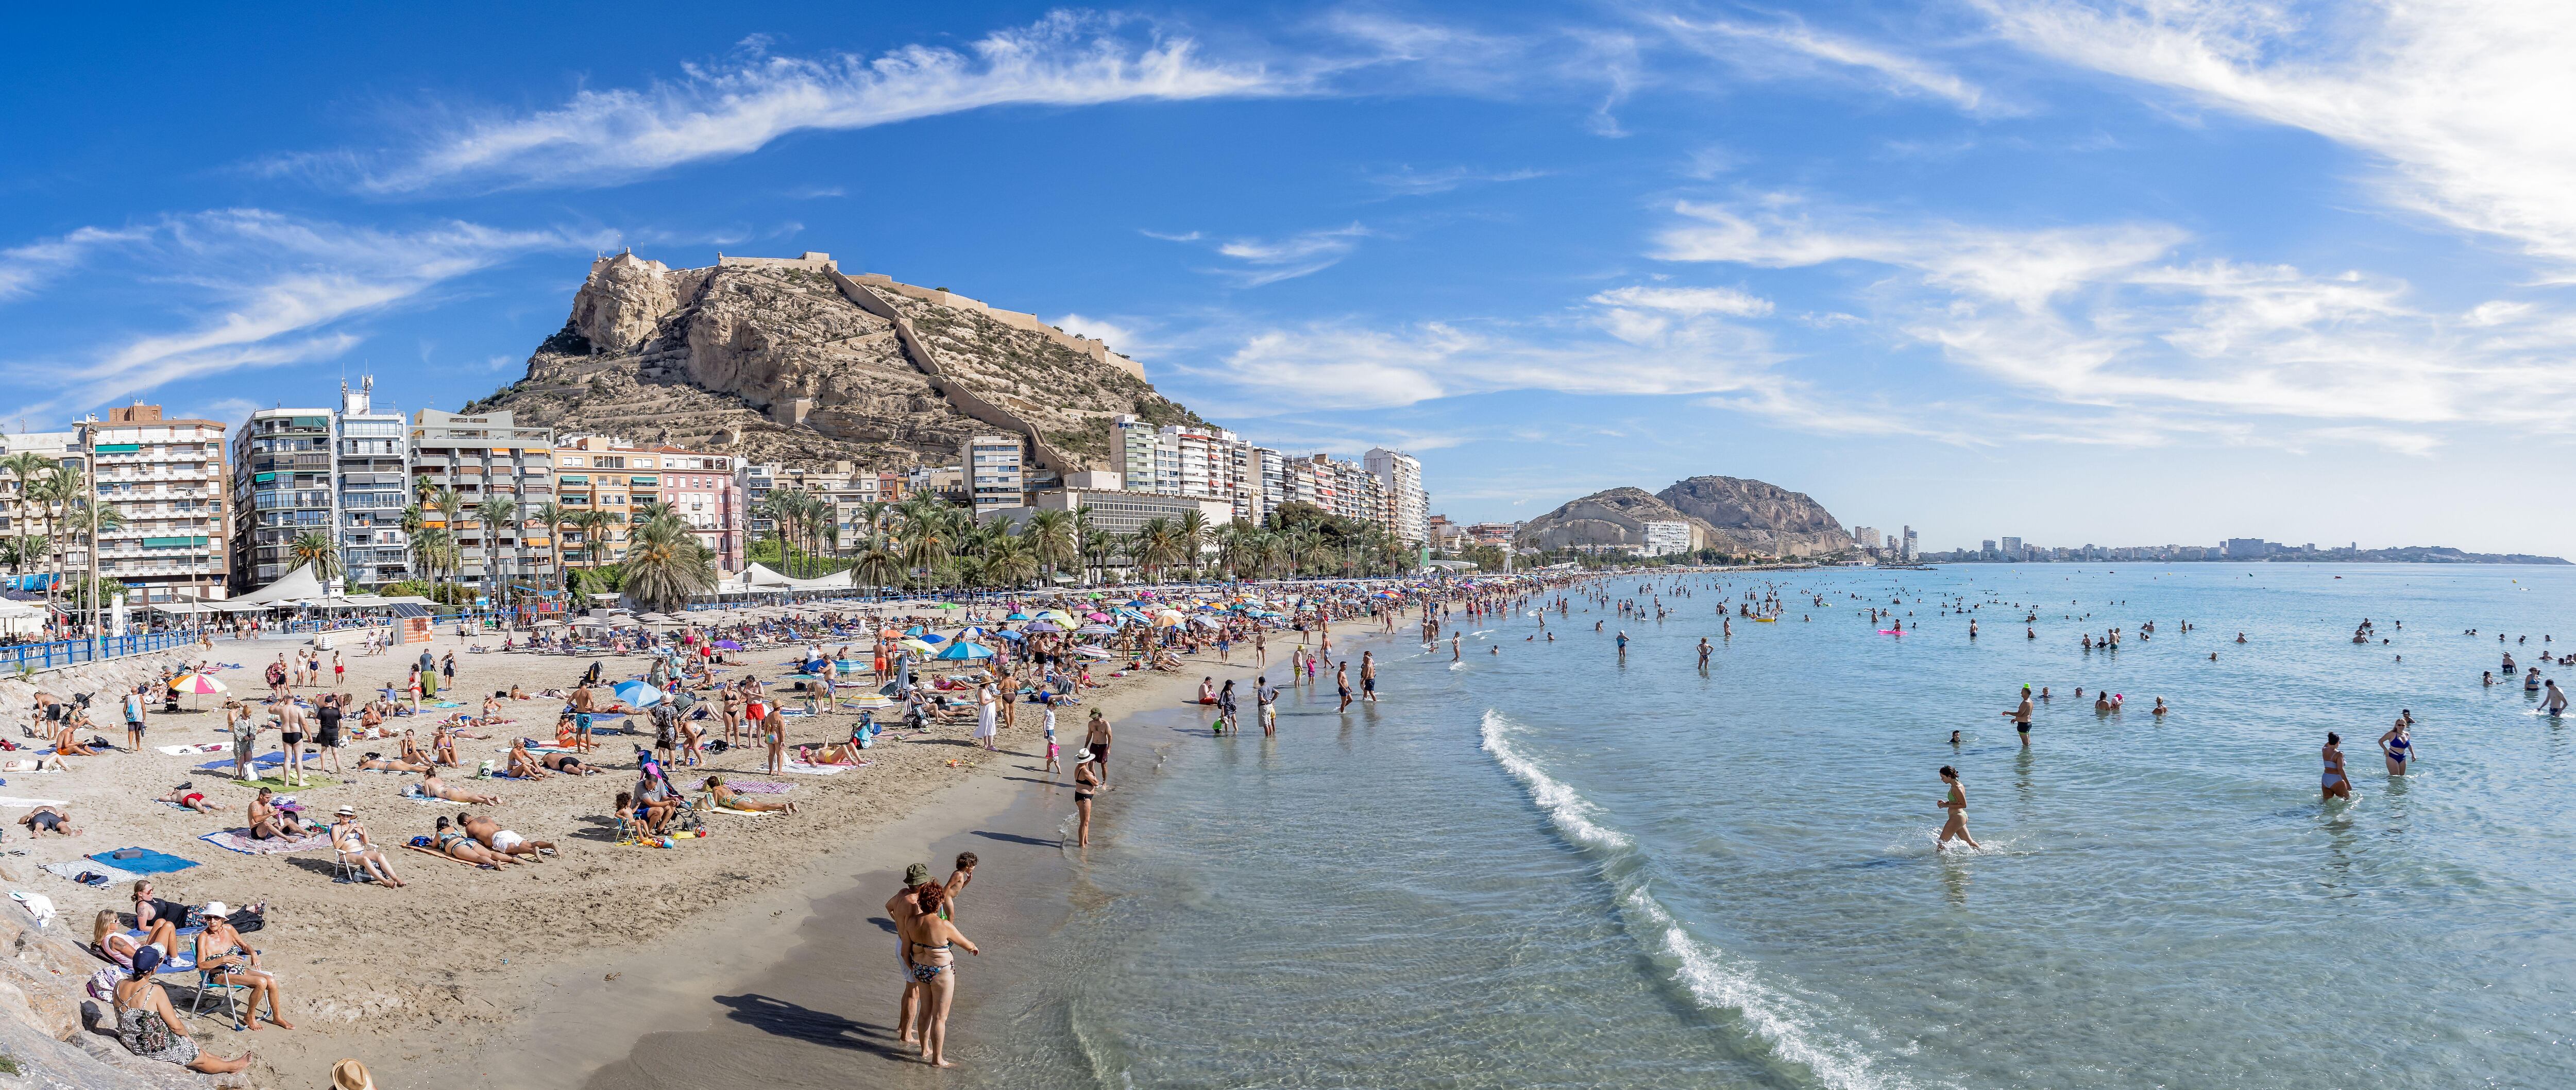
[134,707]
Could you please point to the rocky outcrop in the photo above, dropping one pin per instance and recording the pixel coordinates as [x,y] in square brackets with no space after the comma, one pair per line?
[1609,521]
[1756,517]
[782,362]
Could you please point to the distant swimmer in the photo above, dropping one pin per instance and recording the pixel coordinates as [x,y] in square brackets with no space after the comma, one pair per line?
[1972,630]
[2531,681]
[2398,746]
[2486,677]
[1623,641]
[2030,633]
[1453,647]
[2555,703]
[2160,706]
[2240,637]
[1954,739]
[2102,703]
[1957,804]
[2020,716]
[2334,783]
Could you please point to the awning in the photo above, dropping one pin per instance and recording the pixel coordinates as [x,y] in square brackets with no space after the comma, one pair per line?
[296,585]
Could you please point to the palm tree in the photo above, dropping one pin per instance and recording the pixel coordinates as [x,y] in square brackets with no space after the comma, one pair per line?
[928,538]
[879,566]
[1051,540]
[26,466]
[1012,561]
[873,515]
[594,526]
[551,515]
[666,565]
[1190,536]
[317,551]
[497,513]
[433,550]
[1097,547]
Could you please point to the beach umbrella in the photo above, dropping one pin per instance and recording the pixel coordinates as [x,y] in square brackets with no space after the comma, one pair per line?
[1094,653]
[637,694]
[1045,626]
[1014,637]
[1097,617]
[1096,630]
[1167,620]
[197,683]
[727,645]
[1016,615]
[971,632]
[917,647]
[964,651]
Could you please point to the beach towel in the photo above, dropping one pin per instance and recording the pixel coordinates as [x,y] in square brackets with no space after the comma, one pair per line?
[13,800]
[238,840]
[759,787]
[37,905]
[72,870]
[803,769]
[150,862]
[273,759]
[183,960]
[744,813]
[278,783]
[182,751]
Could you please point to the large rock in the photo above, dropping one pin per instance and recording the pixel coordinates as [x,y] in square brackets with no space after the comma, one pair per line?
[1758,517]
[623,302]
[1610,520]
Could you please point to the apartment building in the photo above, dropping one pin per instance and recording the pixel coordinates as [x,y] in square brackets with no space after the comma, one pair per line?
[19,516]
[372,464]
[1399,477]
[996,467]
[166,477]
[702,490]
[487,456]
[707,491]
[282,486]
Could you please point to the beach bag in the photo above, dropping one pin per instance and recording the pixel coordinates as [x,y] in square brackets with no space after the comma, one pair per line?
[102,984]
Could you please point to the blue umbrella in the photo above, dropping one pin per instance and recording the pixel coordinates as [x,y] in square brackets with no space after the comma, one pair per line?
[637,694]
[964,650]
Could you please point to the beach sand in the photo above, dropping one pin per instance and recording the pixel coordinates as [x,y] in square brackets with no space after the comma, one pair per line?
[537,974]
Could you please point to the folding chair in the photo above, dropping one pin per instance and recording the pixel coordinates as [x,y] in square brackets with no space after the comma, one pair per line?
[347,868]
[231,994]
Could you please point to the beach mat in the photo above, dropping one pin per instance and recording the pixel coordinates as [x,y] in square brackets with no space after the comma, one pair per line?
[238,840]
[13,800]
[150,862]
[72,870]
[759,787]
[203,747]
[745,813]
[803,769]
[274,759]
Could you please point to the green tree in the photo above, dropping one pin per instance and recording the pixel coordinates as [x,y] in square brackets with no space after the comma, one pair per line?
[666,565]
[317,551]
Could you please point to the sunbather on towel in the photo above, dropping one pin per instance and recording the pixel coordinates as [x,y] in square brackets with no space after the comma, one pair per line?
[67,743]
[187,795]
[523,764]
[376,762]
[151,909]
[46,763]
[49,819]
[567,764]
[453,843]
[432,787]
[490,834]
[729,799]
[837,753]
[267,822]
[107,938]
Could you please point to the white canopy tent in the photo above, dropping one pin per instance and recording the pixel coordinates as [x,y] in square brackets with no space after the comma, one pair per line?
[295,586]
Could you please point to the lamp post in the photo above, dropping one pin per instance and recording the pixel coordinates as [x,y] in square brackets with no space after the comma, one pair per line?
[89,460]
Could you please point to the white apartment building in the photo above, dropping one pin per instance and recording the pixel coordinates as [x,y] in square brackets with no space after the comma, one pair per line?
[1399,475]
[166,477]
[18,517]
[488,456]
[372,452]
[1867,536]
[1667,538]
[996,467]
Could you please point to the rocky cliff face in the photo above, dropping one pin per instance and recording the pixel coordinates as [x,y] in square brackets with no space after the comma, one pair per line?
[1613,519]
[1758,517]
[779,363]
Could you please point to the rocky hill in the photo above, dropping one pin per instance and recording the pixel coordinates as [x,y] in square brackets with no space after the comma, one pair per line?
[789,360]
[1726,513]
[1753,516]
[1612,519]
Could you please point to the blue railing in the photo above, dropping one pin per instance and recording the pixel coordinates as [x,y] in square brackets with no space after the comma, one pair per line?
[45,656]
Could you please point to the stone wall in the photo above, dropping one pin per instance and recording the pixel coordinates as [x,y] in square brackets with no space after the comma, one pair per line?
[920,353]
[1098,350]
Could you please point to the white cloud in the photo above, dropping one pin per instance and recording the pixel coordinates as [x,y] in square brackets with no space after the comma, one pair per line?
[1119,338]
[2108,319]
[1408,182]
[2464,100]
[1268,261]
[250,288]
[1786,49]
[1691,302]
[604,137]
[22,268]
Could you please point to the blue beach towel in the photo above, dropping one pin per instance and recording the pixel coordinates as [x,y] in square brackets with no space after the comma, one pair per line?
[274,759]
[150,862]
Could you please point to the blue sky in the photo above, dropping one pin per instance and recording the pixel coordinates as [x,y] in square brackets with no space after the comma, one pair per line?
[2105,272]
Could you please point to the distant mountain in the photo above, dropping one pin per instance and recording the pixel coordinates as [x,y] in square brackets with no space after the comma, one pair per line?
[2421,554]
[789,360]
[1726,513]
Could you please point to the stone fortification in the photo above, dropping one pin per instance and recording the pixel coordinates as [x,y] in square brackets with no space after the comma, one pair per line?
[789,360]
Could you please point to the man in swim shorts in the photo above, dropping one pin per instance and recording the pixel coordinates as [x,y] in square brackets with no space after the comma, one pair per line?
[2021,716]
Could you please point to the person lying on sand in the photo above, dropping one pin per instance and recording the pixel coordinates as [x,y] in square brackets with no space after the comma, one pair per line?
[490,834]
[46,763]
[453,843]
[730,799]
[188,796]
[432,787]
[49,819]
[837,753]
[107,938]
[568,764]
[376,762]
[267,822]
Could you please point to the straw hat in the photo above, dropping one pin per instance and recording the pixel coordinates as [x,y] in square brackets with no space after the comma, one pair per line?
[351,1075]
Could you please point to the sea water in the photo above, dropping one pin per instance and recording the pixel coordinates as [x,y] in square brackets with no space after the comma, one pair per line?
[1561,866]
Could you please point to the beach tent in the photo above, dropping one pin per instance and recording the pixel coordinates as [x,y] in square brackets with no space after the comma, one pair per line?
[759,576]
[295,586]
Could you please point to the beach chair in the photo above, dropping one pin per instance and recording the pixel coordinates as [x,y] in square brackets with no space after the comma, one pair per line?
[345,867]
[231,993]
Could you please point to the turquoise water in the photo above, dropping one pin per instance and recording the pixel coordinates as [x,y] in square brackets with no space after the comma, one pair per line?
[1553,867]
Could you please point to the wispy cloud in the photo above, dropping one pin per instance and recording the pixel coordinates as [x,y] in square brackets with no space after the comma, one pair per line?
[2463,100]
[248,288]
[23,268]
[1268,261]
[1793,49]
[1405,181]
[718,111]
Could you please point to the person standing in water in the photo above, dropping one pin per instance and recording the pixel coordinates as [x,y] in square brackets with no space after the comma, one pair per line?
[2398,746]
[2555,702]
[1453,647]
[1368,676]
[2334,784]
[2021,716]
[1957,804]
[1703,652]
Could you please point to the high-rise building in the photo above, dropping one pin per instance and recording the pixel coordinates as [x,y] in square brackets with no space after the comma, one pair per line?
[2012,549]
[1664,538]
[372,454]
[996,469]
[1867,536]
[701,489]
[480,457]
[165,476]
[1913,550]
[282,485]
[1408,505]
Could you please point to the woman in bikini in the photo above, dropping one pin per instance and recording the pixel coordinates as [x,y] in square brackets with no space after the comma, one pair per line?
[2398,745]
[733,800]
[1086,783]
[928,940]
[107,938]
[523,764]
[2334,784]
[1956,802]
[220,950]
[454,844]
[433,787]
